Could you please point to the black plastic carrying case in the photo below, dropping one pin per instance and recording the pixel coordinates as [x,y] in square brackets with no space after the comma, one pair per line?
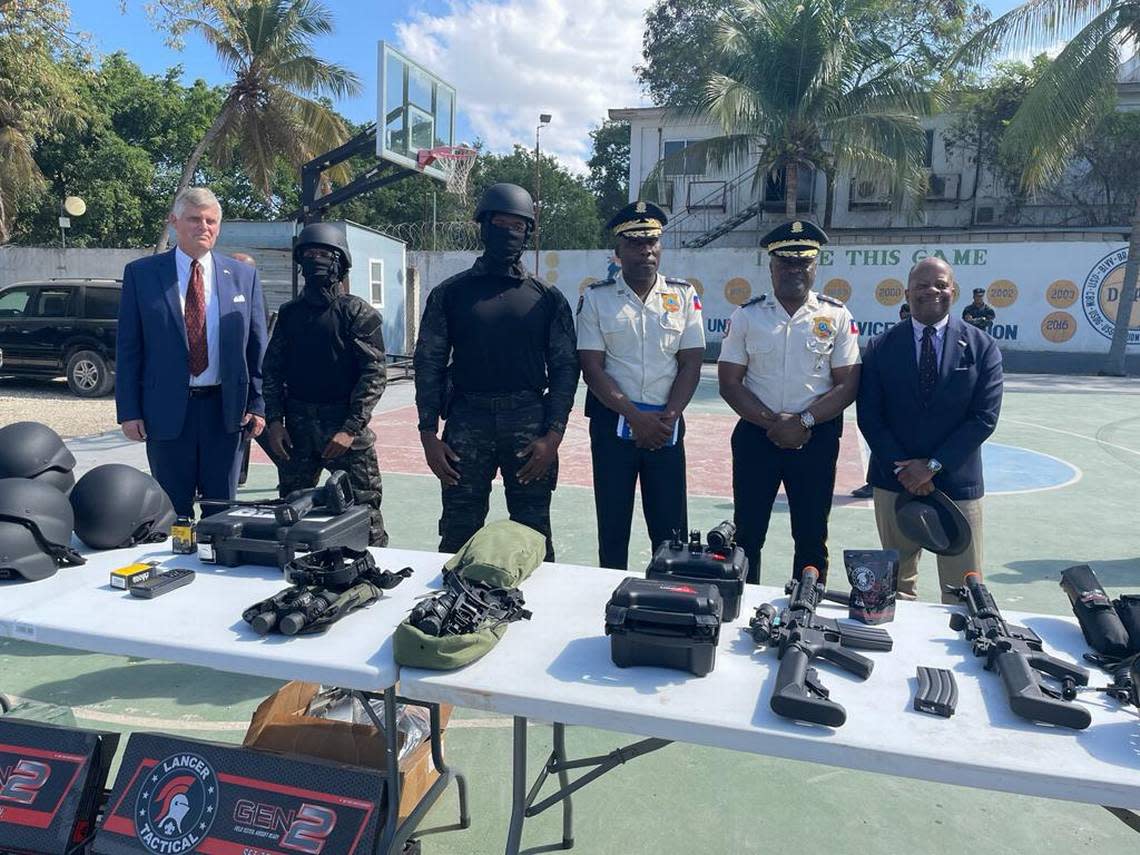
[252,535]
[667,623]
[693,562]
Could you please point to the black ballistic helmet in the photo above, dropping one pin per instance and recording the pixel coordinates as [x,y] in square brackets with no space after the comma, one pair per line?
[117,505]
[326,235]
[35,530]
[505,199]
[33,450]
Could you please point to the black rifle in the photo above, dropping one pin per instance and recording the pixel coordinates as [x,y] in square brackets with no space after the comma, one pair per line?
[800,636]
[1015,653]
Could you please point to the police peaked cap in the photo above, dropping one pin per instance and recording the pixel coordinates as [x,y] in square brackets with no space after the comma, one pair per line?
[505,199]
[328,236]
[638,220]
[979,291]
[795,239]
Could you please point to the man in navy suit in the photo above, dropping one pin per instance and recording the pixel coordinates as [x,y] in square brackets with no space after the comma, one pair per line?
[930,396]
[188,367]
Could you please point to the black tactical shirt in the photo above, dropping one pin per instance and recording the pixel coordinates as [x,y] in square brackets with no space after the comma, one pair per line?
[328,354]
[501,333]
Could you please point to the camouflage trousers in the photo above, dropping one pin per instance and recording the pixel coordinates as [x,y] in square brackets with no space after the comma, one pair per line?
[487,441]
[310,428]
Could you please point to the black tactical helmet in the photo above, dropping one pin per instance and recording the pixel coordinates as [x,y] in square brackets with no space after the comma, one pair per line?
[117,505]
[326,235]
[35,530]
[32,450]
[505,199]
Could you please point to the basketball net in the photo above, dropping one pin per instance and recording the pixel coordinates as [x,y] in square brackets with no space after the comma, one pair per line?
[454,161]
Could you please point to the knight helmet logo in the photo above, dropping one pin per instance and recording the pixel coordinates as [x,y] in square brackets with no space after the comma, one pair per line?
[176,803]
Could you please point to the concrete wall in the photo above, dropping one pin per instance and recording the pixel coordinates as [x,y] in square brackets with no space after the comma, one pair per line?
[20,263]
[1053,299]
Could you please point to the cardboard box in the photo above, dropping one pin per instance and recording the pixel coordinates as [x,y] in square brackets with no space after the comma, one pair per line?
[280,724]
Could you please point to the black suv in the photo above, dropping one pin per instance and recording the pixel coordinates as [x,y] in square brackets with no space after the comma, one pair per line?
[50,327]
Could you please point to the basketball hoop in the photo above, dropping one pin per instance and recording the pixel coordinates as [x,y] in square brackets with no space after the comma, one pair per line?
[454,161]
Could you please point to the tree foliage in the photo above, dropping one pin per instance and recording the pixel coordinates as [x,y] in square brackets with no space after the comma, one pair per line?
[272,109]
[609,168]
[37,97]
[796,87]
[679,44]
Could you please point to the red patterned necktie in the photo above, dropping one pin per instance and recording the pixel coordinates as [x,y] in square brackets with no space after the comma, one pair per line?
[195,314]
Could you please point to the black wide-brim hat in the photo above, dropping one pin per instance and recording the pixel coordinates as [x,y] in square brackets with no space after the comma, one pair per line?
[934,522]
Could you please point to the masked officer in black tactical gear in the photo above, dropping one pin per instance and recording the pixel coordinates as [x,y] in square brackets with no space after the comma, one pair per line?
[506,395]
[324,372]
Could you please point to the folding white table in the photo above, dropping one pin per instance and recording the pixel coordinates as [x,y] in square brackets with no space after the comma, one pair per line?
[201,624]
[557,668]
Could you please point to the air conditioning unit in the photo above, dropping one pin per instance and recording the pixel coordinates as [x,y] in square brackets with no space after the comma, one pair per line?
[869,193]
[943,187]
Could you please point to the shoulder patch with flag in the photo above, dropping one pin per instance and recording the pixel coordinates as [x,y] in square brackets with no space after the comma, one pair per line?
[854,327]
[696,301]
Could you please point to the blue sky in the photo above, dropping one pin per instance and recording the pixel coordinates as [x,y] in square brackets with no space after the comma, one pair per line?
[509,59]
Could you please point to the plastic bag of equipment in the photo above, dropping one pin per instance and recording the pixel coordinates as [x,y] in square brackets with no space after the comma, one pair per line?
[874,578]
[502,554]
[1101,624]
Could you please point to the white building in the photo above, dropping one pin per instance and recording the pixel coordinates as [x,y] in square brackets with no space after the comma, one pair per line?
[729,208]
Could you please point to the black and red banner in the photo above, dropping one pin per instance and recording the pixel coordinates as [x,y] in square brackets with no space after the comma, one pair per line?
[181,795]
[51,780]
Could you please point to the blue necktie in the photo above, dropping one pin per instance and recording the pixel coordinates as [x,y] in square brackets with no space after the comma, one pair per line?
[927,366]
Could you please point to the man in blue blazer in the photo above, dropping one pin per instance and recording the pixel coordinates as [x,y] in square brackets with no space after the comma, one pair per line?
[929,397]
[188,365]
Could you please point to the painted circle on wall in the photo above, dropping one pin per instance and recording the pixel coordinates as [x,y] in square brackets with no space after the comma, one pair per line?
[551,259]
[1100,296]
[737,290]
[840,289]
[1062,293]
[1058,327]
[698,286]
[1001,294]
[890,292]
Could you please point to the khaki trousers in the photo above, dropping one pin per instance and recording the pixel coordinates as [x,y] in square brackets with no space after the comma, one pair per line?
[950,567]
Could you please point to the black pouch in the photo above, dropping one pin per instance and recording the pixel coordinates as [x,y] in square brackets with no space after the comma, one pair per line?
[1128,609]
[874,578]
[1100,623]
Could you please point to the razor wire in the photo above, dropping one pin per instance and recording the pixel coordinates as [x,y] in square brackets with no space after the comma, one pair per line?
[423,236]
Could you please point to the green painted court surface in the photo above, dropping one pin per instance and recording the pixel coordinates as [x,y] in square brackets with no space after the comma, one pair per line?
[691,799]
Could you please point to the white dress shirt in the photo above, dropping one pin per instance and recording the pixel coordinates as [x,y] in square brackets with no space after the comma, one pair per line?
[939,339]
[789,358]
[212,375]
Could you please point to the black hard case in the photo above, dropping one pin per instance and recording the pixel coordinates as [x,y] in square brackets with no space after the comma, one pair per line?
[727,572]
[253,536]
[667,623]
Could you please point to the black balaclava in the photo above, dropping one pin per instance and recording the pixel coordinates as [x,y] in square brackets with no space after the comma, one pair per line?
[502,247]
[322,276]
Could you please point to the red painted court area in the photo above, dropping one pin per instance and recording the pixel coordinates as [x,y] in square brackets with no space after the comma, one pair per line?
[707,446]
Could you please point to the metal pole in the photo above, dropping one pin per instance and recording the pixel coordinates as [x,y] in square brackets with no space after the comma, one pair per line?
[537,194]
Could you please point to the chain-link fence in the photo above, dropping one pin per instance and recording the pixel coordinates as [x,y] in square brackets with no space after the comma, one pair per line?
[426,236]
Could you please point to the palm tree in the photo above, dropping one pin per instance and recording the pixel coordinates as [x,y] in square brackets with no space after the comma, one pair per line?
[797,87]
[1077,89]
[269,110]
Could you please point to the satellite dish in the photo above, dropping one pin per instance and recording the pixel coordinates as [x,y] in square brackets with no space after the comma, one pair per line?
[74,206]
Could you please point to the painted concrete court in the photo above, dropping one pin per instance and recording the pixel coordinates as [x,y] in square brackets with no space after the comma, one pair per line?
[1063,472]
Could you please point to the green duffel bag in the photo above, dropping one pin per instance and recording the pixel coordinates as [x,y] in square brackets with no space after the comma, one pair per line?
[501,554]
[415,649]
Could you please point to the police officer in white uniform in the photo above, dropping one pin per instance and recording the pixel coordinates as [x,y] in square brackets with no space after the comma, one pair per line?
[789,367]
[640,341]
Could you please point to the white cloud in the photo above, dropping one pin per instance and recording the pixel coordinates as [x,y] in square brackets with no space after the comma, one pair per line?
[514,59]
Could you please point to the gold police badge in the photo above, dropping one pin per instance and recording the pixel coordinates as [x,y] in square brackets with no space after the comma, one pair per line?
[823,327]
[671,302]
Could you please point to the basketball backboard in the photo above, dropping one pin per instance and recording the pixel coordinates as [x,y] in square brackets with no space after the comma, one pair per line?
[416,111]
